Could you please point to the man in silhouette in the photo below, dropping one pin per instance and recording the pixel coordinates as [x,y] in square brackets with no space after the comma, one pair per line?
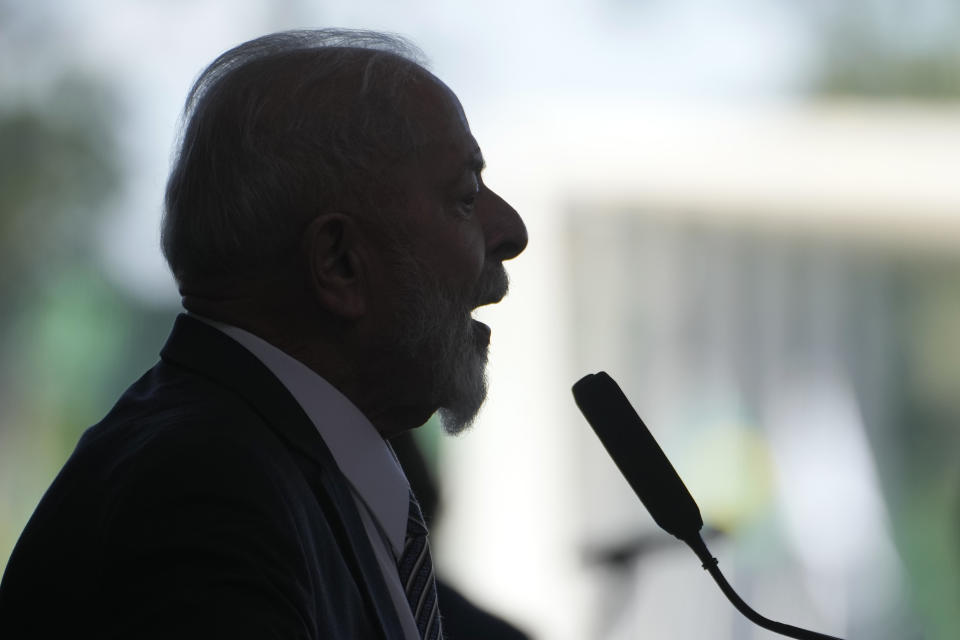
[330,233]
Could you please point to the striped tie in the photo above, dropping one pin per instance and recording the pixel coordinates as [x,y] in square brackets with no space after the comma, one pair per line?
[416,575]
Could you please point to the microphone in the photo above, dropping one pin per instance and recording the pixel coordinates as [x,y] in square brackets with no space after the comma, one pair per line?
[639,457]
[657,484]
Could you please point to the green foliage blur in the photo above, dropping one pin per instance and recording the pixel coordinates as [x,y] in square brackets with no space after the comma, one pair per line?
[70,339]
[878,50]
[882,50]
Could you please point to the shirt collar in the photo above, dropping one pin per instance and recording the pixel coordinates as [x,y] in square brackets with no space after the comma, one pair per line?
[359,450]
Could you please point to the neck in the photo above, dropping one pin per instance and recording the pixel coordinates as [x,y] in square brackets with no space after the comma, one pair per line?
[328,346]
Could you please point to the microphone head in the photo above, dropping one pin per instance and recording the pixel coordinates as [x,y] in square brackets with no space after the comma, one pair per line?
[637,454]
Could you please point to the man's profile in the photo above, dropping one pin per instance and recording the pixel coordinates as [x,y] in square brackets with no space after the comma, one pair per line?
[330,233]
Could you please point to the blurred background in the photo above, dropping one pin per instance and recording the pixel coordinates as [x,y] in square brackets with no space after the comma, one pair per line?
[747,211]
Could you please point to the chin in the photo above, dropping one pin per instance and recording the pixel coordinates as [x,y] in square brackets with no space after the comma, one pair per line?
[467,390]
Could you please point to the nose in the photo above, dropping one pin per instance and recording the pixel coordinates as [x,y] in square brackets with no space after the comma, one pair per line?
[505,231]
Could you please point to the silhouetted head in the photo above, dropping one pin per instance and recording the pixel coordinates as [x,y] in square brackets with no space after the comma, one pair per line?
[327,196]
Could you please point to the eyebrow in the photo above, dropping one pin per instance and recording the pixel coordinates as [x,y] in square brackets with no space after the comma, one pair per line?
[473,164]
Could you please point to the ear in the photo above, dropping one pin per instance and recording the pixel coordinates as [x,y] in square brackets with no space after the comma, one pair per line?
[333,255]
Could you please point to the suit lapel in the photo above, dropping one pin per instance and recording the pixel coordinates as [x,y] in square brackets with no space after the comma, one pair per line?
[203,349]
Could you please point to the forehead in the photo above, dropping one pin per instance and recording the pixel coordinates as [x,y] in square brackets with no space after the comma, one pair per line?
[446,142]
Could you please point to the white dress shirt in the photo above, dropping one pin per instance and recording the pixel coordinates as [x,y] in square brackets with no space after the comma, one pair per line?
[378,483]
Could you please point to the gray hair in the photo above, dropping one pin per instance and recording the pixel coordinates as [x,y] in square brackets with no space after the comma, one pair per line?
[277,130]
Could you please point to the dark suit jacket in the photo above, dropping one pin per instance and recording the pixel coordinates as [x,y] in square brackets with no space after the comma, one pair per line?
[204,505]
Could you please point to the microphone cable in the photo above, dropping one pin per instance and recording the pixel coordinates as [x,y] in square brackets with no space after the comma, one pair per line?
[712,566]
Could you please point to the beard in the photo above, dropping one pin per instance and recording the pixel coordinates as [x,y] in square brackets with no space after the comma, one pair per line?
[437,336]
